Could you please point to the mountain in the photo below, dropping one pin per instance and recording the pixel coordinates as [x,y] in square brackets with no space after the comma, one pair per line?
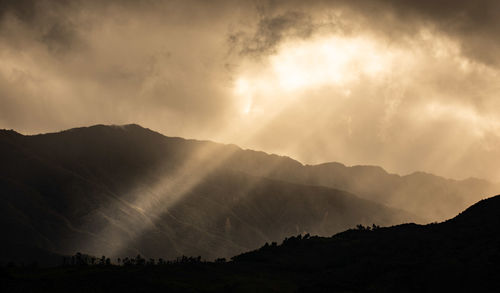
[458,255]
[461,254]
[126,190]
[432,198]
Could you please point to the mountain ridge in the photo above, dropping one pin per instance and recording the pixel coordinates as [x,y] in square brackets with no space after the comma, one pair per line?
[420,193]
[103,190]
[329,163]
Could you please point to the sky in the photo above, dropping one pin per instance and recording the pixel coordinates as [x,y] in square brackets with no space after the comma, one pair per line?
[406,85]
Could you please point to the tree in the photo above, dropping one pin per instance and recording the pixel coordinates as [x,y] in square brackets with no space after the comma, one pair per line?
[78,259]
[139,260]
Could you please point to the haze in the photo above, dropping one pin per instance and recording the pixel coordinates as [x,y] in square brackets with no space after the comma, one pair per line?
[407,85]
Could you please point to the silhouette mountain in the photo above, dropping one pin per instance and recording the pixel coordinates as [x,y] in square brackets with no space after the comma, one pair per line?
[458,255]
[124,190]
[461,254]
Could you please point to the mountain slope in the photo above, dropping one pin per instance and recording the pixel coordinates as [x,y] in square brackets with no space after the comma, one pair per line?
[431,197]
[127,190]
[459,255]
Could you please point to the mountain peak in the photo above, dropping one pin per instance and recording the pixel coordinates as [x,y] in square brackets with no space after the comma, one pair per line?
[111,126]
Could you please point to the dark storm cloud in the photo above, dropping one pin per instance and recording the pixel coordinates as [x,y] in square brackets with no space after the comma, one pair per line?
[48,22]
[23,9]
[475,24]
[60,37]
[270,31]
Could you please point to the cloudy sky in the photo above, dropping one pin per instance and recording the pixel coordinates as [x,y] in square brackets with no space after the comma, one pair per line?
[407,85]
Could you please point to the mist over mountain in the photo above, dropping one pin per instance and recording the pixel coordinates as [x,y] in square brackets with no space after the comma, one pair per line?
[127,190]
[431,197]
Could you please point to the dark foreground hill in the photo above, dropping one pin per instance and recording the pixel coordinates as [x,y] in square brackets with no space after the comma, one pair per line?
[128,190]
[459,255]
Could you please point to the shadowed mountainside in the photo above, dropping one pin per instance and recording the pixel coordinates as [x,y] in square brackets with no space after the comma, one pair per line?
[461,254]
[458,255]
[124,190]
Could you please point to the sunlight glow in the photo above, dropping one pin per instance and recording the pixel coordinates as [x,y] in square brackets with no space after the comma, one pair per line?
[242,89]
[327,61]
[310,65]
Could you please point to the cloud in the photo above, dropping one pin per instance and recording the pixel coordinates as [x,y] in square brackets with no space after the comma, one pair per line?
[112,62]
[22,9]
[175,66]
[474,24]
[270,31]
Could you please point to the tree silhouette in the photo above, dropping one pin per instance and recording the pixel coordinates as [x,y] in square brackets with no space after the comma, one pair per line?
[139,260]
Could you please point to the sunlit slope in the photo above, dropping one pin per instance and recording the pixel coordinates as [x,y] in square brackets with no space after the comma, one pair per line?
[126,190]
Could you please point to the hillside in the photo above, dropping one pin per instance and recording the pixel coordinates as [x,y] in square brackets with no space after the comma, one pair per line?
[459,255]
[432,198]
[125,190]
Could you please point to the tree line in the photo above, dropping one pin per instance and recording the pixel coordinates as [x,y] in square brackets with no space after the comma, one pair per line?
[81,259]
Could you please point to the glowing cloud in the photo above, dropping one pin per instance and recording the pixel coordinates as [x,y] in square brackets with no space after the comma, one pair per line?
[325,61]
